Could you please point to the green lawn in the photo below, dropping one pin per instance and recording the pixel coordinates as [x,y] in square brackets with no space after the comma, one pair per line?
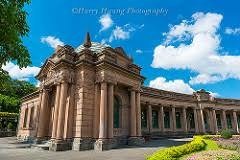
[200,147]
[210,145]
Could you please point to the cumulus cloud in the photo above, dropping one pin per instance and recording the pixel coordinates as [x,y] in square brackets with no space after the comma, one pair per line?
[52,41]
[121,33]
[21,74]
[206,79]
[105,21]
[198,50]
[177,85]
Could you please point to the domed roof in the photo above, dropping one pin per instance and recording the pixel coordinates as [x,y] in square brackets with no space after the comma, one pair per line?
[95,47]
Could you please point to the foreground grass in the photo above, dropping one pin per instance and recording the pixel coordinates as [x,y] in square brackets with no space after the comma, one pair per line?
[200,148]
[174,153]
[210,146]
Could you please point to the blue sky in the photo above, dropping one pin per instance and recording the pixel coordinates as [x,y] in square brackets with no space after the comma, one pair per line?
[181,45]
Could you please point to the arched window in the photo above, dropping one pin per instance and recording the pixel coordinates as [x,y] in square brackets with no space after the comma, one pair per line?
[116,112]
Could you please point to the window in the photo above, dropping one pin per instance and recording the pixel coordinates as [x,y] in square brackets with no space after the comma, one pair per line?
[205,117]
[155,119]
[229,121]
[31,117]
[191,120]
[25,118]
[178,120]
[144,118]
[116,113]
[166,120]
[219,123]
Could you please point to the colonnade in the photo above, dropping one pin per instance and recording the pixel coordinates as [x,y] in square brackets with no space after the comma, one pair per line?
[205,119]
[63,112]
[106,112]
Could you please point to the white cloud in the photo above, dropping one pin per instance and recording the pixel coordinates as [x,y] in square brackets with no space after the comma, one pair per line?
[121,33]
[52,41]
[105,21]
[177,85]
[206,78]
[139,51]
[214,94]
[198,50]
[232,31]
[21,74]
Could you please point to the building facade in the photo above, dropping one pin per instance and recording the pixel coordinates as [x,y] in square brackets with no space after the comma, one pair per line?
[93,97]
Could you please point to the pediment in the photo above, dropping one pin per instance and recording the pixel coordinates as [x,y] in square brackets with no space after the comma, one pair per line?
[47,66]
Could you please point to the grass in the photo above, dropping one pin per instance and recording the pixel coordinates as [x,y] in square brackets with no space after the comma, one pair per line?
[175,152]
[211,145]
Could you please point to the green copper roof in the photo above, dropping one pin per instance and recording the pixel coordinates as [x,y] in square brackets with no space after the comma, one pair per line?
[95,47]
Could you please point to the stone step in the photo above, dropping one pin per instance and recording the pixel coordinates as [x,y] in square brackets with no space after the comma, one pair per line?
[44,145]
[153,137]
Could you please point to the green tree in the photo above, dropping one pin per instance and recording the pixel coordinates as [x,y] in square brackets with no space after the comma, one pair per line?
[13,27]
[11,92]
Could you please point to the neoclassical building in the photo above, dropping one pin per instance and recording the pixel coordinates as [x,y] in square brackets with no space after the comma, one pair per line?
[93,97]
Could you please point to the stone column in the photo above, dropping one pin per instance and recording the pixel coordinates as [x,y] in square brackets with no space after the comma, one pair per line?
[195,120]
[37,112]
[110,110]
[69,113]
[103,108]
[162,118]
[43,109]
[202,120]
[138,105]
[133,114]
[61,114]
[210,120]
[235,122]
[173,119]
[149,118]
[224,119]
[184,120]
[56,110]
[96,112]
[215,121]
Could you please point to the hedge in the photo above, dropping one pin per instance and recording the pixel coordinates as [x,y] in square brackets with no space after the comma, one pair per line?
[173,153]
[8,115]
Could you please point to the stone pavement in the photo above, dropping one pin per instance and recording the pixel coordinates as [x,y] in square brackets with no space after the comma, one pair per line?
[9,150]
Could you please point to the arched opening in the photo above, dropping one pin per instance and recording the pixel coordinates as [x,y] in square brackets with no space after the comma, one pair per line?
[116,112]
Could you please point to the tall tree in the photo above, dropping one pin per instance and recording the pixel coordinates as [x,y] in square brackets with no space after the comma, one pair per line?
[13,27]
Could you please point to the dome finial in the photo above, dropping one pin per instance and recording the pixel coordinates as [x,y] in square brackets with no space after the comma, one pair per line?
[87,42]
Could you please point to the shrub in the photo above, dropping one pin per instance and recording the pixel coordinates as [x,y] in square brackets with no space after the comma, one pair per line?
[172,153]
[226,134]
[10,126]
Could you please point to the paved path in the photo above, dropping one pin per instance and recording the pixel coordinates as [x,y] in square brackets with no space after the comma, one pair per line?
[9,150]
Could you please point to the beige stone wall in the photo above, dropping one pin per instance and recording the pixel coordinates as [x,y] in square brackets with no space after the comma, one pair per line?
[31,122]
[84,102]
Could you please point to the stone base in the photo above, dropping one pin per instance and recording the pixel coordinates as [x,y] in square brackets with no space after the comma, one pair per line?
[60,145]
[81,144]
[39,140]
[105,144]
[136,141]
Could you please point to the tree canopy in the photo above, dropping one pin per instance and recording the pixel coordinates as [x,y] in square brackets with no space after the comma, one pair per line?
[12,91]
[13,26]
